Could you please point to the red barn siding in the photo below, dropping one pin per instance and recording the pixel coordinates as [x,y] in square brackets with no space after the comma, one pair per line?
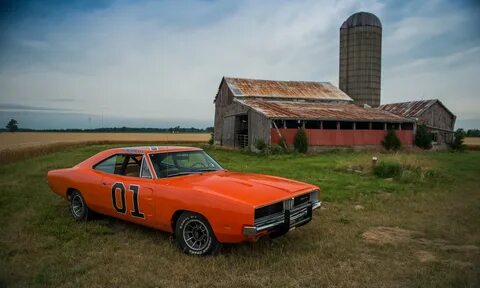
[318,137]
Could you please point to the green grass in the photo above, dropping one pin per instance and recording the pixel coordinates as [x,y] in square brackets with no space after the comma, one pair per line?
[41,246]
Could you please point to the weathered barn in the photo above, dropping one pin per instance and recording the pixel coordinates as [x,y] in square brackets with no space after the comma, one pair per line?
[432,113]
[248,110]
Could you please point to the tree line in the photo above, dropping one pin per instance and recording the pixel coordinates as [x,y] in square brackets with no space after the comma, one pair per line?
[13,126]
[473,133]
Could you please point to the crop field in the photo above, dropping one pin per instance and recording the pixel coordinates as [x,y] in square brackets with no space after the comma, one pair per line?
[24,145]
[34,139]
[472,141]
[413,221]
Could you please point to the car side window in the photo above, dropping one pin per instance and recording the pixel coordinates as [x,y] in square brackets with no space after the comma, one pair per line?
[122,164]
[119,164]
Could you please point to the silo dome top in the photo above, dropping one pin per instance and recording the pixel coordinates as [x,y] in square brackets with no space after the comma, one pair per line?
[362,19]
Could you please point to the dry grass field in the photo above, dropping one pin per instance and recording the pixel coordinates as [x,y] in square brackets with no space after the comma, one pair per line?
[472,141]
[35,139]
[23,145]
[418,228]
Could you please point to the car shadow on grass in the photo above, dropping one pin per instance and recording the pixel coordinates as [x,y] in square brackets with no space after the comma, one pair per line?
[113,226]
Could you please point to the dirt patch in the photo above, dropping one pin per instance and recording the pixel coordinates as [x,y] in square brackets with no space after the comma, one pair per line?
[389,235]
[358,207]
[425,256]
[395,235]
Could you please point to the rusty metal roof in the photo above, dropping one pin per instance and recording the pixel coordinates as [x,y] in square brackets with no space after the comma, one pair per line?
[319,111]
[285,89]
[411,109]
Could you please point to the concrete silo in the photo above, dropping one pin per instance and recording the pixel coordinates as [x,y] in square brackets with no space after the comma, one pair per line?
[361,58]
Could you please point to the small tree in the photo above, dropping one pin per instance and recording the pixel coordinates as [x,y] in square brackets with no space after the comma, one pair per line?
[301,141]
[457,144]
[423,138]
[391,141]
[12,125]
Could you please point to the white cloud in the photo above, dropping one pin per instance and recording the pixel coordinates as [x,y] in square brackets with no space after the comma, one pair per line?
[141,60]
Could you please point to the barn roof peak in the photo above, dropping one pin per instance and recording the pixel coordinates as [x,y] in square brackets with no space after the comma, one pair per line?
[306,90]
[412,109]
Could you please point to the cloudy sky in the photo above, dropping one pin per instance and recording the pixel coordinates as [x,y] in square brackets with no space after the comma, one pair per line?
[64,64]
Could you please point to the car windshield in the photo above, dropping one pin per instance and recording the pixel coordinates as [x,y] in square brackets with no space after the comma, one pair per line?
[183,163]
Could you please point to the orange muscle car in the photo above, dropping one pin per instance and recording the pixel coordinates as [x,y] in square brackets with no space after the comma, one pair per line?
[182,190]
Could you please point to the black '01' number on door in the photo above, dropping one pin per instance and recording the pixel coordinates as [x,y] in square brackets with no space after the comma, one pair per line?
[122,206]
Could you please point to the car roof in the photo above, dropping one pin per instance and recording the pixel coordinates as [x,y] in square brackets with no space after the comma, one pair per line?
[134,150]
[153,149]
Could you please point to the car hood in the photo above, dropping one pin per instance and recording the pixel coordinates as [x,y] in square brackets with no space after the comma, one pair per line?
[254,189]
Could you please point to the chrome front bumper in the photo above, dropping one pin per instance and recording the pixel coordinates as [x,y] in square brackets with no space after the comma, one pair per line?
[284,221]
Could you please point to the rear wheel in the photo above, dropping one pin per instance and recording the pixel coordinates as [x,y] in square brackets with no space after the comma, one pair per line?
[78,207]
[194,235]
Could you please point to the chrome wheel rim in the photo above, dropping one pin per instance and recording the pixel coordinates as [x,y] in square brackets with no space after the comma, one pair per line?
[77,206]
[196,235]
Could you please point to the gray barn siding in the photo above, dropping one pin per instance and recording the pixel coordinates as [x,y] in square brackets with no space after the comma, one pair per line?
[224,99]
[227,132]
[258,128]
[439,117]
[228,129]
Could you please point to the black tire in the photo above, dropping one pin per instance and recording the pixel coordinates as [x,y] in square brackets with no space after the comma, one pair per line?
[195,236]
[78,207]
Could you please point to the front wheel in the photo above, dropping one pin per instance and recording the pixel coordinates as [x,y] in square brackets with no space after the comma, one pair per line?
[78,207]
[194,235]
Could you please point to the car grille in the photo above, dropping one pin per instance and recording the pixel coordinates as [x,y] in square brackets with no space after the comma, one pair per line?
[273,214]
[268,210]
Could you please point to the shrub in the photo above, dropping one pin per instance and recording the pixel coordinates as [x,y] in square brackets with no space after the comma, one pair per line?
[276,149]
[260,145]
[211,140]
[391,141]
[387,169]
[457,144]
[423,138]
[301,141]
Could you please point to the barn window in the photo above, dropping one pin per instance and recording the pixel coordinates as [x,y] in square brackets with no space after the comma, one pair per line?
[293,124]
[407,126]
[330,125]
[362,125]
[346,125]
[313,124]
[378,126]
[279,123]
[393,126]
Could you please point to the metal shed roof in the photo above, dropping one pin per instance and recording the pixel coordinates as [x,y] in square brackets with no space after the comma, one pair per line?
[319,111]
[285,89]
[411,109]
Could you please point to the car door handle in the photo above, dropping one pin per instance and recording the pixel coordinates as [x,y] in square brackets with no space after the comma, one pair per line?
[104,183]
